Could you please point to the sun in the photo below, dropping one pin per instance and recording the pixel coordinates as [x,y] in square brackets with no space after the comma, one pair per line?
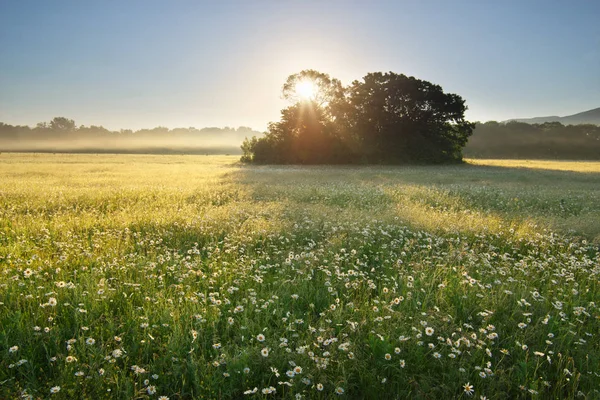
[306,90]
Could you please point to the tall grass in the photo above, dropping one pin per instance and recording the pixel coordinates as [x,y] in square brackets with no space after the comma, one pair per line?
[195,277]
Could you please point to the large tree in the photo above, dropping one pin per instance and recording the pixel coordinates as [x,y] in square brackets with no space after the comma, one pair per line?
[385,118]
[403,119]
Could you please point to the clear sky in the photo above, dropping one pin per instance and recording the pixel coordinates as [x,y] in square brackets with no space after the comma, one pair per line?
[144,63]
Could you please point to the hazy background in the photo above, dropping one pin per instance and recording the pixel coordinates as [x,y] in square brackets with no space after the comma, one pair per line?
[143,63]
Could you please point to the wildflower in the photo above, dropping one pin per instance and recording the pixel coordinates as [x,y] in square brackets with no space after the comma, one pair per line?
[52,302]
[339,390]
[402,364]
[13,349]
[397,350]
[70,359]
[429,331]
[388,356]
[482,374]
[437,355]
[55,389]
[260,337]
[264,352]
[246,370]
[216,346]
[468,389]
[269,390]
[151,389]
[297,370]
[319,387]
[79,373]
[163,398]
[90,341]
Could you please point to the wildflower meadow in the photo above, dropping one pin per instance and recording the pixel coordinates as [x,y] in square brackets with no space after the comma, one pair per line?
[188,277]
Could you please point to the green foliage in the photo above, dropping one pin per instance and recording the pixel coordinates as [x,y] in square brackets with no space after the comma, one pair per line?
[143,276]
[386,118]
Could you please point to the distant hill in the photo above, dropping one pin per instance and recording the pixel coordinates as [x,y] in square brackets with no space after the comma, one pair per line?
[586,117]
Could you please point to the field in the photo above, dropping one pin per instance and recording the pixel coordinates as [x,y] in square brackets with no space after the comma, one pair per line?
[196,277]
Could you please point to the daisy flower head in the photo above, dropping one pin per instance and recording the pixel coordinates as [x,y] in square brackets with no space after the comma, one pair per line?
[265,352]
[468,389]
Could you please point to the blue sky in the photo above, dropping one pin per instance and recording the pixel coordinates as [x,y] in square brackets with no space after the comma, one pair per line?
[133,64]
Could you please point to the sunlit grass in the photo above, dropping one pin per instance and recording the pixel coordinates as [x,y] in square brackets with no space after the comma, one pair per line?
[575,166]
[196,277]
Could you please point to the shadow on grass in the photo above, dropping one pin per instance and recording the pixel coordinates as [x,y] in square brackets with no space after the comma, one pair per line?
[559,200]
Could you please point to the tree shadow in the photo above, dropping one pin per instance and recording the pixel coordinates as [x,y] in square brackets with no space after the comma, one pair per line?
[565,201]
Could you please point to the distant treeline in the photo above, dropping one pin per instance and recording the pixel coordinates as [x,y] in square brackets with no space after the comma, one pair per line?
[63,135]
[550,140]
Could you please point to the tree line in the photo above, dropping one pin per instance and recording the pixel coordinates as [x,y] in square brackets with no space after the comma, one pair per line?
[550,140]
[325,130]
[384,118]
[62,134]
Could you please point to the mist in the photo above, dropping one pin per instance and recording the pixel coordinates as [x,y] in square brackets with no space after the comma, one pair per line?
[61,135]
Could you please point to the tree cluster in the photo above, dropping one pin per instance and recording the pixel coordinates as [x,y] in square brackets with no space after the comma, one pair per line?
[384,118]
[550,140]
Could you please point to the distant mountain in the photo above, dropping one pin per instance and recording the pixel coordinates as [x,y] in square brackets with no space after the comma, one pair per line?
[586,117]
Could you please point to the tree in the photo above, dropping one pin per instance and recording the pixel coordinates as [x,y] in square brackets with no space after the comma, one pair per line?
[62,124]
[326,89]
[386,118]
[403,119]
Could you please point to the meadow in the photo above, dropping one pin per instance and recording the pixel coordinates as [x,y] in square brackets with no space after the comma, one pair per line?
[181,277]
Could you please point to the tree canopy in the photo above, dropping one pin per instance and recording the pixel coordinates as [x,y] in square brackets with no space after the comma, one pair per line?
[384,118]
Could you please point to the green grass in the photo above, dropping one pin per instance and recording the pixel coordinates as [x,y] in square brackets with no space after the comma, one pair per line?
[147,276]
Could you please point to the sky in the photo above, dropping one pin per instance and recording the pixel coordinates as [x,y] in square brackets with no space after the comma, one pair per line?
[145,63]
